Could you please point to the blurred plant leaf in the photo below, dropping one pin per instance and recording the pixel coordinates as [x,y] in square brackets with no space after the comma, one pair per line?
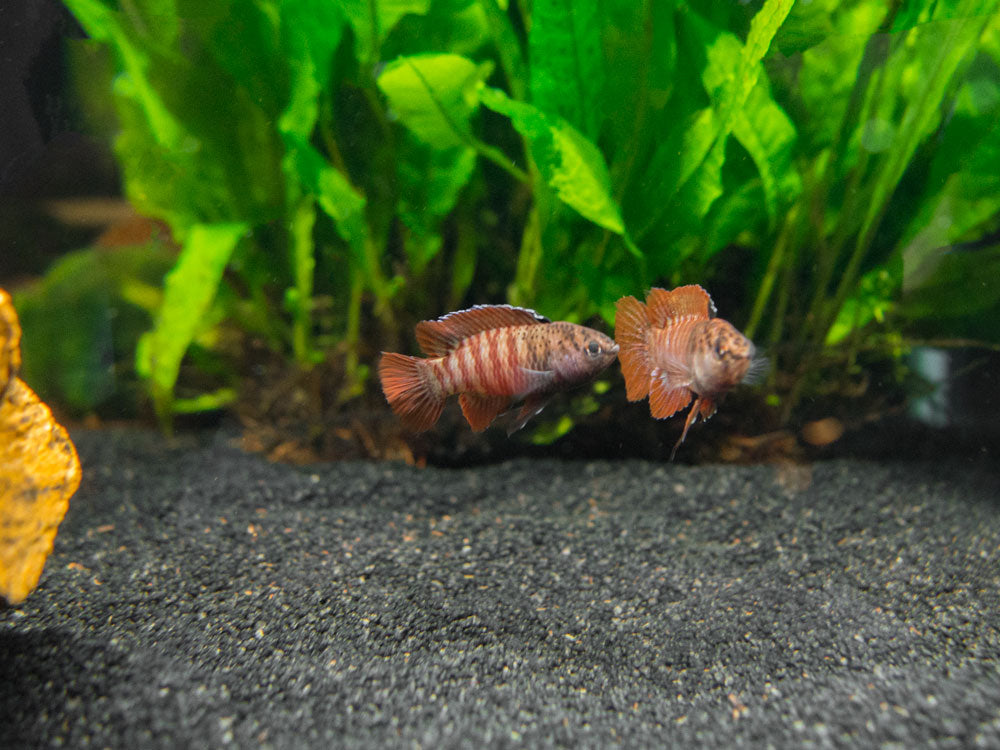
[964,284]
[940,49]
[460,27]
[768,135]
[570,164]
[874,300]
[964,171]
[731,73]
[188,293]
[737,211]
[372,20]
[95,303]
[335,195]
[311,31]
[430,181]
[807,25]
[104,24]
[434,96]
[567,65]
[203,402]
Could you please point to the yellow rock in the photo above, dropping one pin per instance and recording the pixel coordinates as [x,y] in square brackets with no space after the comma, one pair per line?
[39,470]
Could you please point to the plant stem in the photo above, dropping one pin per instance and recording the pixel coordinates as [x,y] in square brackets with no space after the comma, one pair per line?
[774,266]
[352,335]
[491,153]
[498,157]
[303,265]
[874,57]
[528,260]
[918,113]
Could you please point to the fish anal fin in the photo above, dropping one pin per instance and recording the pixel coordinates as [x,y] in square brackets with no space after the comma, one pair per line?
[691,300]
[631,335]
[438,337]
[480,409]
[530,408]
[406,388]
[666,400]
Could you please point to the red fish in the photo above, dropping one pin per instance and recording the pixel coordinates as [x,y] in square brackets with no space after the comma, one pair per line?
[494,356]
[674,349]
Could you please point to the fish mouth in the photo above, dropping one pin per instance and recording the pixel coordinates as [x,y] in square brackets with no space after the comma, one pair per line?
[613,349]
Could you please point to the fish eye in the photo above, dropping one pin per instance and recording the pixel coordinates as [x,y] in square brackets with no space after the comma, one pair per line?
[593,348]
[720,348]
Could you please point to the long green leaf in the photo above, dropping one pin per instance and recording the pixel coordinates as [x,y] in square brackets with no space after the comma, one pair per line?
[567,71]
[942,58]
[732,71]
[570,163]
[730,75]
[189,290]
[430,181]
[964,173]
[335,195]
[768,135]
[107,26]
[434,96]
[311,31]
[372,20]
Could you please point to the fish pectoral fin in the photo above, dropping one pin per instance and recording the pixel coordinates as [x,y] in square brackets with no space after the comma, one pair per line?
[532,381]
[543,377]
[665,400]
[480,409]
[530,408]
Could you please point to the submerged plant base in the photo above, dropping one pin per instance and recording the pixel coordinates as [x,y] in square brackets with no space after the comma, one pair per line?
[294,416]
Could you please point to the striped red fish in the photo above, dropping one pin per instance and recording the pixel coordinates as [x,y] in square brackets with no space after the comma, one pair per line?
[674,349]
[494,356]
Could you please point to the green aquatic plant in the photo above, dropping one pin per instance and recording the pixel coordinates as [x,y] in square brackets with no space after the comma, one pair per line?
[82,323]
[330,168]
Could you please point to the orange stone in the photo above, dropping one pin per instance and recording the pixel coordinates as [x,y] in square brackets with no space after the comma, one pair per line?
[39,470]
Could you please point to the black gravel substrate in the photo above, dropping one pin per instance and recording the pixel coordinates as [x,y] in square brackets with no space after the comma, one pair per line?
[201,597]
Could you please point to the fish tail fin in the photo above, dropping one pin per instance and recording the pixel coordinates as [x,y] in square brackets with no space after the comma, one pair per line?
[632,326]
[407,388]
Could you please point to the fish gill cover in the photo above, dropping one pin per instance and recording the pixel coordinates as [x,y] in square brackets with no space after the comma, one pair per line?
[334,172]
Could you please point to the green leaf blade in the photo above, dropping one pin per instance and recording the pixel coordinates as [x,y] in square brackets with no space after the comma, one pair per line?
[189,290]
[334,194]
[434,96]
[570,163]
[567,66]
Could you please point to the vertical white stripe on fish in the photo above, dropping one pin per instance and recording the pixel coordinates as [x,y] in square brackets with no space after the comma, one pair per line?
[484,356]
[467,366]
[500,373]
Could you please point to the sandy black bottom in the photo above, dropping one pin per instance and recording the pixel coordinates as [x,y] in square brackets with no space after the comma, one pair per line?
[199,596]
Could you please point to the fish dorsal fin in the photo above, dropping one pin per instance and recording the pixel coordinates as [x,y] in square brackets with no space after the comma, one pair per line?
[480,409]
[665,401]
[690,300]
[438,337]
